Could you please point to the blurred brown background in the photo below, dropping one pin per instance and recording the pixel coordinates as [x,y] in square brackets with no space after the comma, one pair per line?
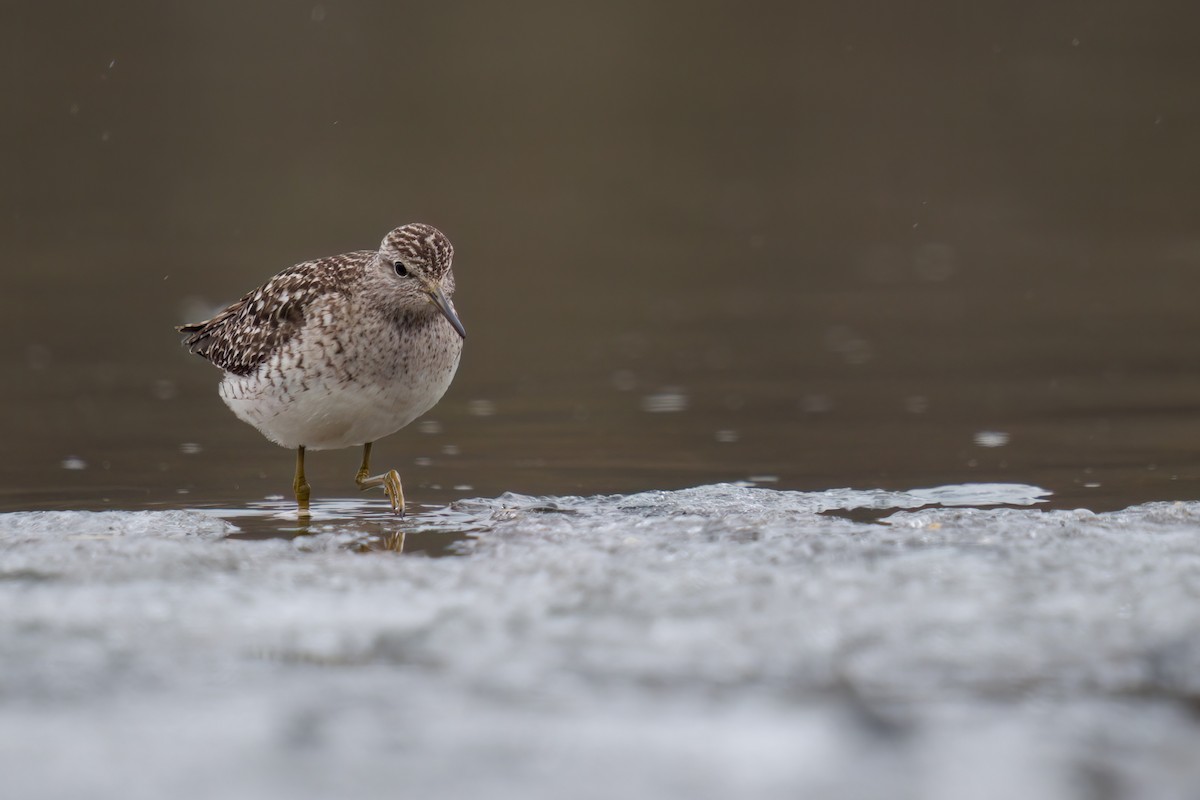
[811,245]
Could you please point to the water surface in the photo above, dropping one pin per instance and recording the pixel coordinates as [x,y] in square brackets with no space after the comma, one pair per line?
[846,247]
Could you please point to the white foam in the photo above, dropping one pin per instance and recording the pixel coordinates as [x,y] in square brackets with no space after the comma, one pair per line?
[712,642]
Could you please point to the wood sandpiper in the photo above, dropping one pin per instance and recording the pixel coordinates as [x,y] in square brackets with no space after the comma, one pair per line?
[341,351]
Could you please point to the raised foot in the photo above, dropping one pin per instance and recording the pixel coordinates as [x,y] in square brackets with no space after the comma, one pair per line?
[395,492]
[390,481]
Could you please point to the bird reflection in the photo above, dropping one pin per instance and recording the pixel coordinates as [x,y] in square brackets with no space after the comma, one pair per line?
[353,527]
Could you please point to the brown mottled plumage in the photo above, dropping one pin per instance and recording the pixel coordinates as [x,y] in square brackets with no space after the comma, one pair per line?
[342,350]
[246,333]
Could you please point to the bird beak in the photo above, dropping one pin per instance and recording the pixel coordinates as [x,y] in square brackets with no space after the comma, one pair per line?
[443,305]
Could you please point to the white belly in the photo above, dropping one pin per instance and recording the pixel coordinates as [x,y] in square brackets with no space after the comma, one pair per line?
[308,395]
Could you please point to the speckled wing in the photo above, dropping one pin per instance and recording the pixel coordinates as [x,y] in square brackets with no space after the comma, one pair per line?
[245,334]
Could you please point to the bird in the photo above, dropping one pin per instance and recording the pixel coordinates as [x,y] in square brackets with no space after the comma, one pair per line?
[341,351]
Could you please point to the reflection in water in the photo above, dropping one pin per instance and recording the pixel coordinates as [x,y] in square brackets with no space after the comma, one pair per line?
[445,530]
[356,526]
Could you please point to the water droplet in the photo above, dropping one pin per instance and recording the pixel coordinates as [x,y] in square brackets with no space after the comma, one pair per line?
[991,438]
[430,426]
[481,408]
[665,401]
[450,450]
[727,436]
[74,462]
[423,461]
[464,487]
[190,448]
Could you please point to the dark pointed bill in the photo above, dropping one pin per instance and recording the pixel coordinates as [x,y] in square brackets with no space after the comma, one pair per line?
[439,299]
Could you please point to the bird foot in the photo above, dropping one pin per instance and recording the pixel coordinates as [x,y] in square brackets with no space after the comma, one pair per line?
[390,481]
[303,493]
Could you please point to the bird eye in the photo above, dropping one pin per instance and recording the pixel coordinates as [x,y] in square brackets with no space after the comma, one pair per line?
[401,270]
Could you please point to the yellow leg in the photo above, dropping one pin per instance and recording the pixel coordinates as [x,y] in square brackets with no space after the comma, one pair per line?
[390,481]
[300,484]
[365,469]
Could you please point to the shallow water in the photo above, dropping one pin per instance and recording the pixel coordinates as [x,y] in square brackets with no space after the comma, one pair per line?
[959,256]
[943,258]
